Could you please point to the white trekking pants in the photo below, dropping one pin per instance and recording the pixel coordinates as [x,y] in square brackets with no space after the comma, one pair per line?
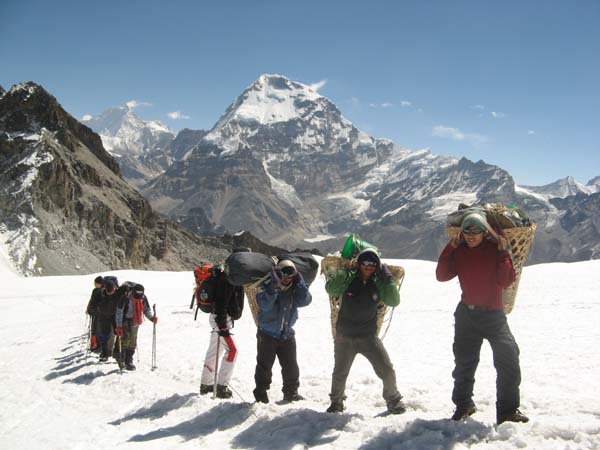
[227,356]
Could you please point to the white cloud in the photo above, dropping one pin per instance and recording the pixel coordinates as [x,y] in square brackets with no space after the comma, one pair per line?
[478,107]
[498,115]
[318,85]
[381,105]
[456,135]
[86,118]
[530,132]
[134,104]
[448,132]
[405,103]
[176,115]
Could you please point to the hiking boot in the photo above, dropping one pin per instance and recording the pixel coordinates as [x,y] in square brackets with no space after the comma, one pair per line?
[336,407]
[293,397]
[223,391]
[103,358]
[206,389]
[517,416]
[260,395]
[129,360]
[462,412]
[396,406]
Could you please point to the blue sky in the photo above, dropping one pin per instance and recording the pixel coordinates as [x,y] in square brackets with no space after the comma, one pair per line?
[515,83]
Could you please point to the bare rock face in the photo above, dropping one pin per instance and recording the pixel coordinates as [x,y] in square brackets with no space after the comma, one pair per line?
[64,207]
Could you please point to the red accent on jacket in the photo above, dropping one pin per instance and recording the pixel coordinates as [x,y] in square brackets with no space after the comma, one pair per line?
[482,272]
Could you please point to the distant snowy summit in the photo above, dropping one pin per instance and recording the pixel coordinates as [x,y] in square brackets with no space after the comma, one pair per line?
[140,146]
[270,99]
[273,102]
[124,133]
[564,187]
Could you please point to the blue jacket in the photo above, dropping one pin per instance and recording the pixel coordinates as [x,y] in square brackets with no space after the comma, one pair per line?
[278,310]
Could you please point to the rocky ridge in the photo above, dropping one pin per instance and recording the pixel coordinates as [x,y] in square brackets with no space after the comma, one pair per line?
[64,207]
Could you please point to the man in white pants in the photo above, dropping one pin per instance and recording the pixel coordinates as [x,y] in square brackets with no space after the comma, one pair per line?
[227,308]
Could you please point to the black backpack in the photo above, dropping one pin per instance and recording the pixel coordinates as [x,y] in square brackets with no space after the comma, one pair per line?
[110,278]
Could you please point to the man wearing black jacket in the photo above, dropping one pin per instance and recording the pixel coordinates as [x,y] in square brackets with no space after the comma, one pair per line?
[103,305]
[227,308]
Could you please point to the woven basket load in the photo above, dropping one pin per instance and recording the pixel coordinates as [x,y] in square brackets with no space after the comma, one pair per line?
[330,265]
[251,289]
[519,240]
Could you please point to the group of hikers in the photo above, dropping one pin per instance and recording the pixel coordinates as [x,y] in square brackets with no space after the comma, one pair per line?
[478,257]
[116,314]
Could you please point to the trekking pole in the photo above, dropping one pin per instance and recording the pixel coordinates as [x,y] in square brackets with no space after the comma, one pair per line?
[154,340]
[216,367]
[88,336]
[120,355]
[243,399]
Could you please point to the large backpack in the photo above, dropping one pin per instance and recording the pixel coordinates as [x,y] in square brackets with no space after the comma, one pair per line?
[206,286]
[110,278]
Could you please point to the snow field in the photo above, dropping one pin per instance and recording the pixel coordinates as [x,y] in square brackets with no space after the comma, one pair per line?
[54,396]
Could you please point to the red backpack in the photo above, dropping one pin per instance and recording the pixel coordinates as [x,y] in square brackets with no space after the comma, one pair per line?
[206,286]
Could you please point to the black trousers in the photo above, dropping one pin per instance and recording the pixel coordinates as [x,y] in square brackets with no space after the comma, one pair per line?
[471,327]
[267,348]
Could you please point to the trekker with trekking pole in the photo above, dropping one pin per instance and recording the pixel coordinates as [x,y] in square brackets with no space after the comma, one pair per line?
[226,307]
[103,305]
[93,344]
[131,308]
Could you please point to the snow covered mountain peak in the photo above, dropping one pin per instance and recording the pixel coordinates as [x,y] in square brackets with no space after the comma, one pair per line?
[121,121]
[124,132]
[560,188]
[275,104]
[270,99]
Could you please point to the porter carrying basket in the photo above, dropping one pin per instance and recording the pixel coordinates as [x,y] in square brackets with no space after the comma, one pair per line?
[517,230]
[330,265]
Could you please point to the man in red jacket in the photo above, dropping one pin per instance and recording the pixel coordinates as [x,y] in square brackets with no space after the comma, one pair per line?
[483,268]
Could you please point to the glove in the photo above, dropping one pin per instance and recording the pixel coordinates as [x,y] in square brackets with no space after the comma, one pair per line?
[119,331]
[224,332]
[385,274]
[155,320]
[298,278]
[275,279]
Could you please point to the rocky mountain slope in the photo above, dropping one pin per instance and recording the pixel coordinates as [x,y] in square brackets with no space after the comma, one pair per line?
[64,207]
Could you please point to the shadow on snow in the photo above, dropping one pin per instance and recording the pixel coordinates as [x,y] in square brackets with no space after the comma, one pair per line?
[221,417]
[88,378]
[159,409]
[301,426]
[441,434]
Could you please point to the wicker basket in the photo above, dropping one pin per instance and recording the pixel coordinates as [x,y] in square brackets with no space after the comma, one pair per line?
[330,265]
[251,290]
[520,240]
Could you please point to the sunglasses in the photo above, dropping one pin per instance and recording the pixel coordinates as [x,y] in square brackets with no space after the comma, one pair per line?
[476,231]
[368,264]
[287,272]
